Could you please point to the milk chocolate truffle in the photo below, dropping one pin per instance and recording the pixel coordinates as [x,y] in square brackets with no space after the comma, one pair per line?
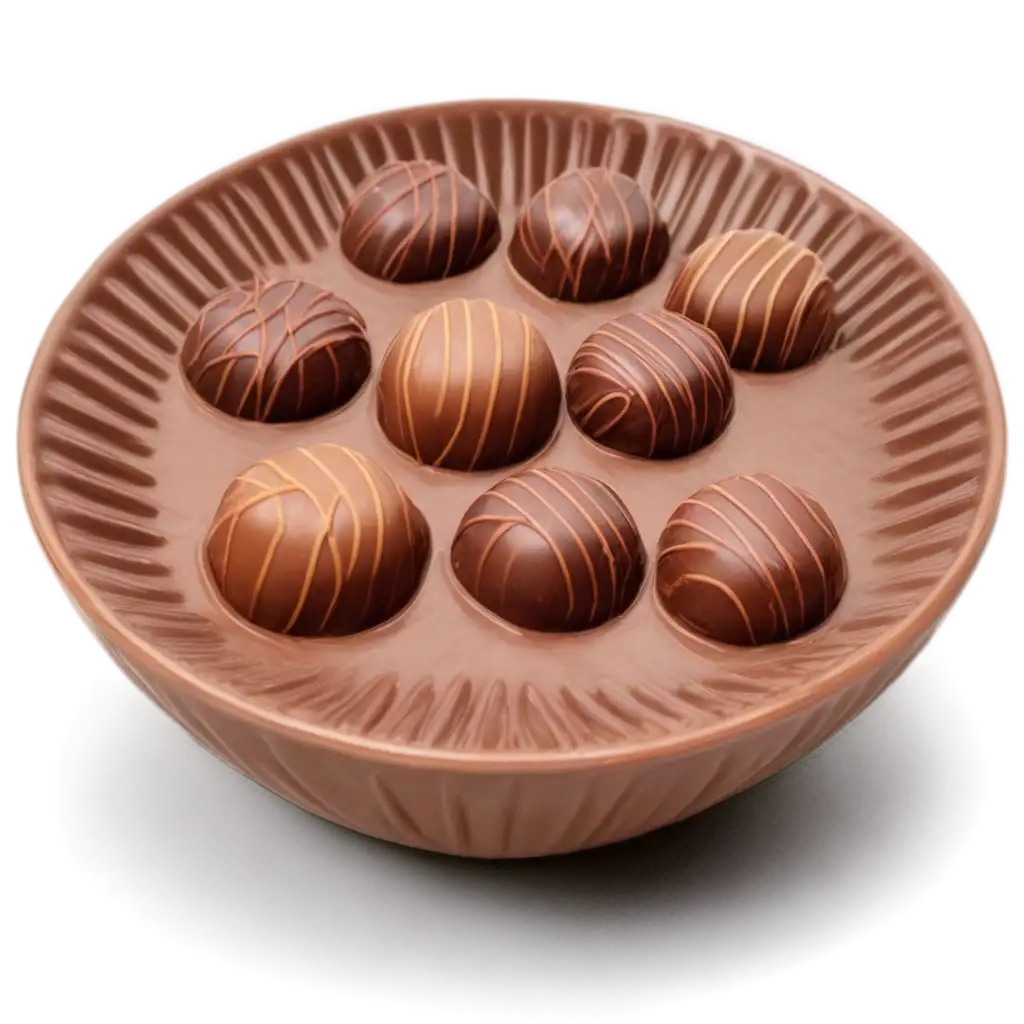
[550,550]
[469,385]
[767,298]
[317,541]
[654,385]
[750,560]
[589,235]
[276,351]
[418,220]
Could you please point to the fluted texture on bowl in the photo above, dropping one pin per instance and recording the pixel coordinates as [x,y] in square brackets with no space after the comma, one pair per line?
[106,393]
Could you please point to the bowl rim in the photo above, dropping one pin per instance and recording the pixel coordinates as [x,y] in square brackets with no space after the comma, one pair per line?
[820,686]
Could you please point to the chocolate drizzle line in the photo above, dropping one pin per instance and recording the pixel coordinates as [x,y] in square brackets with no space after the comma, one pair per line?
[468,385]
[764,545]
[276,350]
[587,568]
[779,319]
[331,478]
[654,385]
[418,220]
[589,235]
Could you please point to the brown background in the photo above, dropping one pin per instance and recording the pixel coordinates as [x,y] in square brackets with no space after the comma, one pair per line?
[887,871]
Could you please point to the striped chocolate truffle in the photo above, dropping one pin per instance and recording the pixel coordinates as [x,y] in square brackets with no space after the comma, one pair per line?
[276,351]
[418,220]
[589,235]
[750,560]
[317,541]
[654,385]
[550,550]
[768,299]
[469,385]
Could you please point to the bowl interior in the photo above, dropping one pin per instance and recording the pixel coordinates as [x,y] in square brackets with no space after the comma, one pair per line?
[898,433]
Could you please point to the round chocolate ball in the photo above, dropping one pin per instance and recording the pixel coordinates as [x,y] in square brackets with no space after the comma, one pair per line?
[589,235]
[418,220]
[317,541]
[276,351]
[469,385]
[769,300]
[655,385]
[550,550]
[750,560]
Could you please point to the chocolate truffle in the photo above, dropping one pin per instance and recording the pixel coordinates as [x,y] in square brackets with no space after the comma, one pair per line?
[469,385]
[589,235]
[317,541]
[550,550]
[768,299]
[276,351]
[650,384]
[750,560]
[418,220]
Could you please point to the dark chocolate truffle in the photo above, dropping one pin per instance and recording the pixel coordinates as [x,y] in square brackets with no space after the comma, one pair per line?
[650,384]
[418,220]
[317,541]
[589,235]
[550,550]
[276,351]
[469,385]
[750,560]
[769,300]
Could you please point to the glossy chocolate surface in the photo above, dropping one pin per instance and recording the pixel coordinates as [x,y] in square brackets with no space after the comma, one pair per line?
[317,541]
[750,560]
[447,726]
[654,385]
[418,220]
[589,235]
[469,385]
[276,351]
[769,299]
[550,550]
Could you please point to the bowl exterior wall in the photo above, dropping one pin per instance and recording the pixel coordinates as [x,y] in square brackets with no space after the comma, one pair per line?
[509,813]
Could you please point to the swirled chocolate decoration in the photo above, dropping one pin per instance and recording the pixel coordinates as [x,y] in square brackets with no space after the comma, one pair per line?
[276,351]
[750,560]
[418,220]
[654,385]
[589,235]
[469,385]
[550,550]
[769,300]
[317,541]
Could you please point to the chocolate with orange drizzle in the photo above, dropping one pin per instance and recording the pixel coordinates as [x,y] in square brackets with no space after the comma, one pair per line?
[550,550]
[418,220]
[277,351]
[750,560]
[589,235]
[469,385]
[769,300]
[317,541]
[654,385]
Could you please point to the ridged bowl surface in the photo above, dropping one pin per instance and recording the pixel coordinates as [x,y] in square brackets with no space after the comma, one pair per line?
[506,749]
